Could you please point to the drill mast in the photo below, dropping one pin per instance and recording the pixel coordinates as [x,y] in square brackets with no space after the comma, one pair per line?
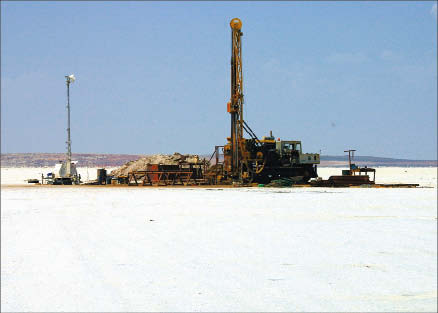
[235,106]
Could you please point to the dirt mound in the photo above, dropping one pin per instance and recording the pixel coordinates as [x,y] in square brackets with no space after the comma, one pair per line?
[168,159]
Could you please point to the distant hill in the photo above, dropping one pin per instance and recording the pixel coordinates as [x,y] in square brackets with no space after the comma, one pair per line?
[50,159]
[370,161]
[114,160]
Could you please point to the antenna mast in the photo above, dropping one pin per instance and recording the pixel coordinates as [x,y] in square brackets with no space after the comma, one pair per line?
[69,79]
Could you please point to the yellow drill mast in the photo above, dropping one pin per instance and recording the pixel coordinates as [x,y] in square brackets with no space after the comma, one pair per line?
[235,105]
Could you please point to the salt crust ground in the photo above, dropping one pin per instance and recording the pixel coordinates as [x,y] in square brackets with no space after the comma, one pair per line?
[259,249]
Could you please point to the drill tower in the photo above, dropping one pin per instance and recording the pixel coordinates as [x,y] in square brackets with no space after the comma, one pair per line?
[235,106]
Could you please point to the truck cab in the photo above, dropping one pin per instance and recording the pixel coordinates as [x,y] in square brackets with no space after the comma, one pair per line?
[291,149]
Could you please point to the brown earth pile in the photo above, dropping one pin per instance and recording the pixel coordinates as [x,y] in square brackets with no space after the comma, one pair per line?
[168,159]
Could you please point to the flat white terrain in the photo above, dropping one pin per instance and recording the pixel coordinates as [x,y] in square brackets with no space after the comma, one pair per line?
[69,248]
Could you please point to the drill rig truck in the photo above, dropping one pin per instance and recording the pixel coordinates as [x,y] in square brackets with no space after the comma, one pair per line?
[255,160]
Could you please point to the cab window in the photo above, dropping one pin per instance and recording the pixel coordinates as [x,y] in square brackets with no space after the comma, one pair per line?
[288,146]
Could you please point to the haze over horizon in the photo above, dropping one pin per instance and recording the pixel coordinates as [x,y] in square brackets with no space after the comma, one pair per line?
[323,156]
[153,77]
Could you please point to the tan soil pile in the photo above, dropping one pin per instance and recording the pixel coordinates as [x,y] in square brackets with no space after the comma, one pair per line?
[168,159]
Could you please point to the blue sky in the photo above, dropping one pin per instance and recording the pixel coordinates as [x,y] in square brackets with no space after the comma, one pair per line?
[153,77]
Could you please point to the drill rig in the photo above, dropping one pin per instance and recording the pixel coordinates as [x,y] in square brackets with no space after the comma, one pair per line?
[254,160]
